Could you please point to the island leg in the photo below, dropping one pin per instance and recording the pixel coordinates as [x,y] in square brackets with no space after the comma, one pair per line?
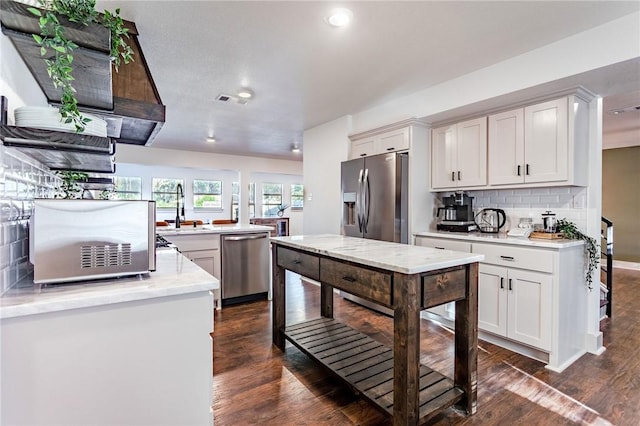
[406,347]
[278,302]
[466,343]
[326,300]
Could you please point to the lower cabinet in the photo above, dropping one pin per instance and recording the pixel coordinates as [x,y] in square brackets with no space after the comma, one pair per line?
[515,304]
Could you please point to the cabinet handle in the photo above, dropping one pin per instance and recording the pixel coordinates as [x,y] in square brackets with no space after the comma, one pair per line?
[459,175]
[509,258]
[510,284]
[439,248]
[453,176]
[391,149]
[527,169]
[364,154]
[297,262]
[348,278]
[518,169]
[502,282]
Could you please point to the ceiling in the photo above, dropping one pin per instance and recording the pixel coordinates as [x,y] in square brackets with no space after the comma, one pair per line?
[305,73]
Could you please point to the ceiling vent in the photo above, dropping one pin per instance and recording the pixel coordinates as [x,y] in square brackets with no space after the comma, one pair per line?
[223,97]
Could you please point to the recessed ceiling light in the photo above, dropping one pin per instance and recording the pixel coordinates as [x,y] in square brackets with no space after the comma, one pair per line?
[339,17]
[245,93]
[211,139]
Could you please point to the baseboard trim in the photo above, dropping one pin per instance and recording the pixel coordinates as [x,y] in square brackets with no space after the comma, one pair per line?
[626,265]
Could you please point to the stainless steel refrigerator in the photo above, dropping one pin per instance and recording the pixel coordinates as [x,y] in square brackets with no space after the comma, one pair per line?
[374,197]
[375,203]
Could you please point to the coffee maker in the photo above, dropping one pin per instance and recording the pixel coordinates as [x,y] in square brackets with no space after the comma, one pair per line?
[457,214]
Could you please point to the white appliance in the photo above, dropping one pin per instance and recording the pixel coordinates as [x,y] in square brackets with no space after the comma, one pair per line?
[72,240]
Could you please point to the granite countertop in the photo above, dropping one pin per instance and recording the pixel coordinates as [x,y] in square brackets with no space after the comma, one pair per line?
[403,258]
[500,238]
[234,228]
[174,275]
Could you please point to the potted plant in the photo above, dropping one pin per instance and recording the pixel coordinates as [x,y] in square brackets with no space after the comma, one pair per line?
[281,209]
[60,65]
[591,249]
[70,187]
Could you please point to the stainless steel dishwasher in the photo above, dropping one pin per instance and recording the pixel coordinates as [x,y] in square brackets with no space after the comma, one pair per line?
[245,267]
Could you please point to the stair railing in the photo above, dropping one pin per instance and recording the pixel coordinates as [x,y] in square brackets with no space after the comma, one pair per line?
[606,235]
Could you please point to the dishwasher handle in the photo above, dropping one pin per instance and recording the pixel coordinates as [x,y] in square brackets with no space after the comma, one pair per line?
[245,237]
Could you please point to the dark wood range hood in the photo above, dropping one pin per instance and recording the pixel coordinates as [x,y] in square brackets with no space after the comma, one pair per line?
[128,99]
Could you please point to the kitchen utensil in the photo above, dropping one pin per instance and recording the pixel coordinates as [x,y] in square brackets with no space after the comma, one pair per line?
[549,222]
[490,220]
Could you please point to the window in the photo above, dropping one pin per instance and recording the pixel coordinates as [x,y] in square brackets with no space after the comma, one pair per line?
[127,188]
[271,198]
[207,194]
[164,192]
[235,189]
[297,196]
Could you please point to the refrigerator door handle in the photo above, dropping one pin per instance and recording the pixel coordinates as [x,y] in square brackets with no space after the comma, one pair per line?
[359,201]
[366,194]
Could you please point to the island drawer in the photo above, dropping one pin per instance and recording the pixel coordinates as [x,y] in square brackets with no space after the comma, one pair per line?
[366,283]
[192,242]
[535,259]
[444,286]
[300,263]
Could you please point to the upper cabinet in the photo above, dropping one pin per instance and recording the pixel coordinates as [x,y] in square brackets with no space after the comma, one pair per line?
[543,144]
[459,155]
[387,139]
[539,144]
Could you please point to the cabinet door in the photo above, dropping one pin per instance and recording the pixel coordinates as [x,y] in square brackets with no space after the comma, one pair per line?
[546,144]
[471,153]
[492,299]
[443,151]
[397,140]
[209,260]
[530,308]
[506,147]
[362,147]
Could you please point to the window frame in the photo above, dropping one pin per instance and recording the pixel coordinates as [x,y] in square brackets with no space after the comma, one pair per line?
[281,195]
[195,194]
[301,197]
[172,194]
[117,193]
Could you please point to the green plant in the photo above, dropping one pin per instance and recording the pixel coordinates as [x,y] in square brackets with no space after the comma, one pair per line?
[60,66]
[70,187]
[592,251]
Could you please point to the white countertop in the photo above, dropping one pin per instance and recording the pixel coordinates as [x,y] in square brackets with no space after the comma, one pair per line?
[174,275]
[234,228]
[403,258]
[500,238]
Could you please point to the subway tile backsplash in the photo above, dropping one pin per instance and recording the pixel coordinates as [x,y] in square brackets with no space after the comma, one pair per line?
[21,180]
[566,202]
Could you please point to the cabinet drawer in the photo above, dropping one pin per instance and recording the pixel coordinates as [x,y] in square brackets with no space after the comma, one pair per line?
[515,257]
[300,263]
[193,242]
[366,283]
[201,254]
[441,243]
[444,287]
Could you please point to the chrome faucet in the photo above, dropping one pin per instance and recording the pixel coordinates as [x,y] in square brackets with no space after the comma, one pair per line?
[179,196]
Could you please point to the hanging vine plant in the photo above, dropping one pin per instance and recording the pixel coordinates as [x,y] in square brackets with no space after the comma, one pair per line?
[60,66]
[592,251]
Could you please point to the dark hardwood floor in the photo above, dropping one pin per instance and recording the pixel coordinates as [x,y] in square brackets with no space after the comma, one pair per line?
[255,383]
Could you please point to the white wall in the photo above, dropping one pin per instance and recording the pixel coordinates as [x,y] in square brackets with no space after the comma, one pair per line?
[325,147]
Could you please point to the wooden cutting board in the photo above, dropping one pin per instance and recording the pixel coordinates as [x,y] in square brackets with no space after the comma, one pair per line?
[547,235]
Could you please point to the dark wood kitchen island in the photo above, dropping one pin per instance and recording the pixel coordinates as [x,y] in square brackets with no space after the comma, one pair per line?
[404,278]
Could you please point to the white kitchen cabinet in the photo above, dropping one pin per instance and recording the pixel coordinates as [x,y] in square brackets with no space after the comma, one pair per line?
[515,304]
[541,144]
[459,155]
[532,296]
[380,142]
[203,250]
